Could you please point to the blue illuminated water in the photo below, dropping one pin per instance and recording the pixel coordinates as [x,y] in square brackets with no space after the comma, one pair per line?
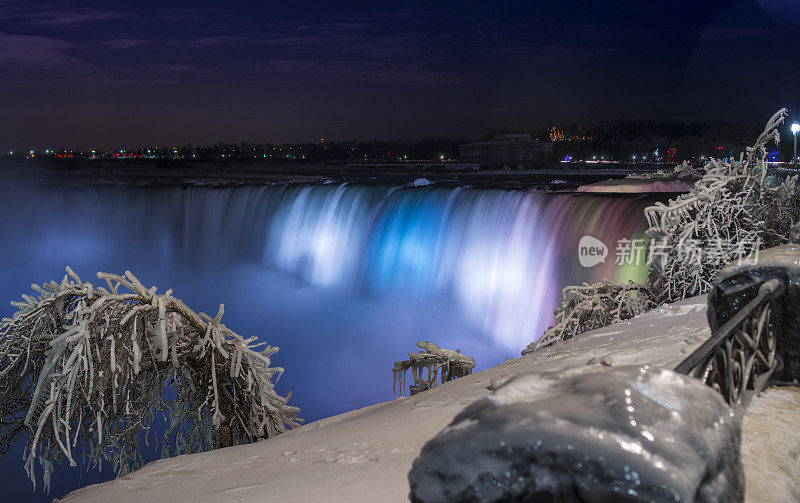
[344,279]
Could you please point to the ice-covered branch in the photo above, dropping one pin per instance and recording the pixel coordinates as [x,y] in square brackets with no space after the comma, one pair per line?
[82,364]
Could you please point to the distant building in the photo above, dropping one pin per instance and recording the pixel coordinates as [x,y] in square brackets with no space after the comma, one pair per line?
[672,155]
[515,150]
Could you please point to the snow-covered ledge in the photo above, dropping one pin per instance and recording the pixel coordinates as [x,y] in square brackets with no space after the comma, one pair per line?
[365,455]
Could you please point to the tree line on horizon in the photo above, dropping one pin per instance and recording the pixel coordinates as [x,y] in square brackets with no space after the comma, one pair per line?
[611,140]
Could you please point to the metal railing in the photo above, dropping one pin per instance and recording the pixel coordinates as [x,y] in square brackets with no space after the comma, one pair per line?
[740,356]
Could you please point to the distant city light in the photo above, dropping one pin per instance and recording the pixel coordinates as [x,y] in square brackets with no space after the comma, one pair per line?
[795,128]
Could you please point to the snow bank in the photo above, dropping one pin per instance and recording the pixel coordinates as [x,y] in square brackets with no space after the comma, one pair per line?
[679,181]
[629,186]
[771,446]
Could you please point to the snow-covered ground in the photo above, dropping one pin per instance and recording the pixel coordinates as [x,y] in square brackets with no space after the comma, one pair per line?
[771,446]
[680,181]
[365,455]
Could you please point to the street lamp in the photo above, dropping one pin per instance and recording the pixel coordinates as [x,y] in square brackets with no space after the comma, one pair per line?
[795,129]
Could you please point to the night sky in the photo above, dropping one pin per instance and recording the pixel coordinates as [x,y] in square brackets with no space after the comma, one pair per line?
[111,73]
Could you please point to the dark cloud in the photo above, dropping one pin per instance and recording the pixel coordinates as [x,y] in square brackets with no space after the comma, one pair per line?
[127,43]
[55,15]
[296,69]
[24,52]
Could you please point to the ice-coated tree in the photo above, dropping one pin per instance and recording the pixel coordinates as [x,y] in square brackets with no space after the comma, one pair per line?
[89,368]
[734,210]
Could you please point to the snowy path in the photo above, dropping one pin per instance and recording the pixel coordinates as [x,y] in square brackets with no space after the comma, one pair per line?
[365,455]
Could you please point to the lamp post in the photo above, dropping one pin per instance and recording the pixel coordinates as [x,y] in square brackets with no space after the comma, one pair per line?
[795,129]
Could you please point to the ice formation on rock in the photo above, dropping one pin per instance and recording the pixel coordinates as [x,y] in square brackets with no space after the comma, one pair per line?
[590,434]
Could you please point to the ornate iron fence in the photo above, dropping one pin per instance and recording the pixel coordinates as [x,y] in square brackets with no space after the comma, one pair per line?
[740,356]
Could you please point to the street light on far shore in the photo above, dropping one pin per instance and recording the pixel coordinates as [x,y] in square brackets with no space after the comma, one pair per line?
[795,129]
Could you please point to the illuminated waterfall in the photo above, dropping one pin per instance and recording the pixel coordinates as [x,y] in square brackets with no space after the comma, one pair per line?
[499,256]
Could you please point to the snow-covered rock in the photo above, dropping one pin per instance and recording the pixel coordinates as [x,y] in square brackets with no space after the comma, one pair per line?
[584,435]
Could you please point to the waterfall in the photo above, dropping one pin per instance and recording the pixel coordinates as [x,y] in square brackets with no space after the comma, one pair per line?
[499,256]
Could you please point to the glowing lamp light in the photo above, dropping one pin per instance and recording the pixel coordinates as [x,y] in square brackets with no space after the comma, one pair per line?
[795,129]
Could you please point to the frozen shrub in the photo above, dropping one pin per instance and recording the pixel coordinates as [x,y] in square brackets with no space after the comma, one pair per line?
[586,307]
[734,210]
[428,365]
